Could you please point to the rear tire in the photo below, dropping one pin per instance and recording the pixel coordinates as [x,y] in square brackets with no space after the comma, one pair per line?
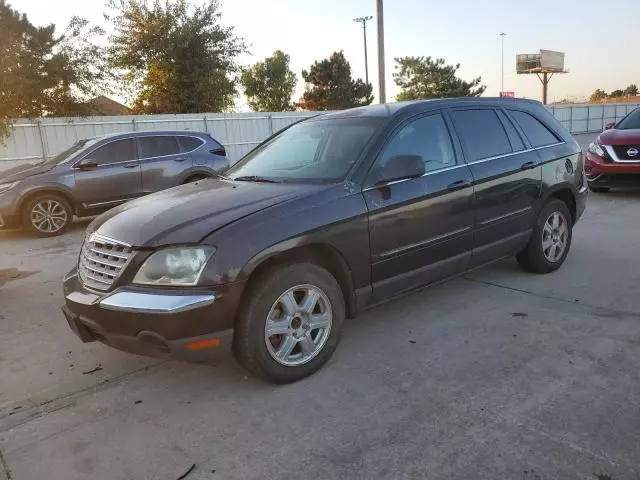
[598,189]
[550,241]
[47,215]
[275,338]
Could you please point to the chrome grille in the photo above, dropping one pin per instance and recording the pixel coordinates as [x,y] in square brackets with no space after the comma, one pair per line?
[101,261]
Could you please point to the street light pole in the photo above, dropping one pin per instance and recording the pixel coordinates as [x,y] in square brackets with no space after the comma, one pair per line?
[381,85]
[364,21]
[502,35]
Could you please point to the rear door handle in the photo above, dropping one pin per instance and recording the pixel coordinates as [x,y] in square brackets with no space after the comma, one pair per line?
[131,165]
[527,165]
[457,185]
[179,159]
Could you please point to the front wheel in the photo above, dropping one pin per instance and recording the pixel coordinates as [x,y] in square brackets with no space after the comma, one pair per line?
[47,215]
[291,323]
[550,241]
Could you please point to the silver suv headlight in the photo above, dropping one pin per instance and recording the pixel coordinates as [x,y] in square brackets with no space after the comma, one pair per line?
[8,186]
[174,266]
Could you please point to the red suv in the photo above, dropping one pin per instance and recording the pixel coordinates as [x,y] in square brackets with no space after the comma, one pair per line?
[613,159]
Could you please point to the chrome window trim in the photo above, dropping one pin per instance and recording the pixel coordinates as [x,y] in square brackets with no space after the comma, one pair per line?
[146,302]
[614,156]
[374,187]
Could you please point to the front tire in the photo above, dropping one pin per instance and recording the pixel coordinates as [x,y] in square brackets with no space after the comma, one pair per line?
[291,323]
[550,241]
[47,215]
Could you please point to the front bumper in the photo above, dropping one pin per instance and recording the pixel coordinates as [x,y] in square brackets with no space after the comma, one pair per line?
[600,172]
[194,325]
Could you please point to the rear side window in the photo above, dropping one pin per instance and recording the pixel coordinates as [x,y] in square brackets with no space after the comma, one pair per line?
[514,137]
[482,133]
[158,146]
[112,152]
[188,144]
[536,132]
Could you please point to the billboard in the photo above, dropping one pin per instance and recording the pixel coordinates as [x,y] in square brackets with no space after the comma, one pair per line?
[508,94]
[552,61]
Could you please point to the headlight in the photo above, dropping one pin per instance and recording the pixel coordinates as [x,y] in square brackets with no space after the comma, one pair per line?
[8,186]
[174,266]
[594,147]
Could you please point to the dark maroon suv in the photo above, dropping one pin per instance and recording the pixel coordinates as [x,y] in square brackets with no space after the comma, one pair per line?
[613,159]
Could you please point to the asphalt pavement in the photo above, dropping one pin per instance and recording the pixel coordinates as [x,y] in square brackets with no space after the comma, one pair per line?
[500,374]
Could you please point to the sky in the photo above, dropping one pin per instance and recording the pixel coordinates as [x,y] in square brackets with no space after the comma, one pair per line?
[599,52]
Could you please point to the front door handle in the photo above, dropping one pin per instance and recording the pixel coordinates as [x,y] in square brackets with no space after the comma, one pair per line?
[457,185]
[131,165]
[179,159]
[527,165]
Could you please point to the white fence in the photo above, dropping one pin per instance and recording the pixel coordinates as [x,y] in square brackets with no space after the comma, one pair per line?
[35,140]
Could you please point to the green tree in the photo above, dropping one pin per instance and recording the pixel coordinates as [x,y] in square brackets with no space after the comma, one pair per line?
[631,90]
[44,74]
[598,96]
[269,84]
[330,86]
[616,94]
[174,57]
[424,77]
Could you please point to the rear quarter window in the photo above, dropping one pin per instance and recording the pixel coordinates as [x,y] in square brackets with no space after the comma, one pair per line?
[188,144]
[537,133]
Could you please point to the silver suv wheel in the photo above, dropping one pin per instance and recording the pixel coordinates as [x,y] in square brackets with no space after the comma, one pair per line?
[48,216]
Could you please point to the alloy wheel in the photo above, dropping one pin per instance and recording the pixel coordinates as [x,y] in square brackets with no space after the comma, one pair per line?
[49,216]
[555,235]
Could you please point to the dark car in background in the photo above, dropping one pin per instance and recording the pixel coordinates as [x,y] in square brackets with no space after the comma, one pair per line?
[613,159]
[327,217]
[99,173]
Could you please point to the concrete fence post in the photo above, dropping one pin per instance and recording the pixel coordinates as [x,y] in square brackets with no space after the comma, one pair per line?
[42,143]
[206,127]
[270,125]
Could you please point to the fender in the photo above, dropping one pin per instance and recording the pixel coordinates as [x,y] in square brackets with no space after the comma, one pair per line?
[58,188]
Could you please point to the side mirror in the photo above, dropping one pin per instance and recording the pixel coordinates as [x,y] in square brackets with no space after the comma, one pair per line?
[401,167]
[609,126]
[87,164]
[219,151]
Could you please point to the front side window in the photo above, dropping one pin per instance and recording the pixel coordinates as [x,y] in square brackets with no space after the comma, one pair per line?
[535,131]
[427,137]
[114,152]
[317,151]
[631,121]
[158,146]
[482,133]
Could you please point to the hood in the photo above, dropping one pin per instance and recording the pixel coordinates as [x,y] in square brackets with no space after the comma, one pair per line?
[188,213]
[23,171]
[620,137]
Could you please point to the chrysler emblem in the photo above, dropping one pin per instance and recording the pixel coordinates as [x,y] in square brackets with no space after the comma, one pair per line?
[632,152]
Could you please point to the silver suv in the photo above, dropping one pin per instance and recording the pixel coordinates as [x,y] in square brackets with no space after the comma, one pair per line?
[98,173]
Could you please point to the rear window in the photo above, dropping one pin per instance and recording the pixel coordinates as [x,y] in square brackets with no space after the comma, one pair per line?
[482,133]
[535,131]
[189,144]
[158,146]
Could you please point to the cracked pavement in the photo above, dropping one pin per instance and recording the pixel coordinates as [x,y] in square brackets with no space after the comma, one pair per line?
[499,374]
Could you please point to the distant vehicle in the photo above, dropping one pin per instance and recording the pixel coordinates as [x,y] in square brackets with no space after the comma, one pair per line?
[101,172]
[325,218]
[613,159]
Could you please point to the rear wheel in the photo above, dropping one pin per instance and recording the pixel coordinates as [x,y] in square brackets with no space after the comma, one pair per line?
[291,323]
[599,189]
[550,241]
[47,215]
[195,178]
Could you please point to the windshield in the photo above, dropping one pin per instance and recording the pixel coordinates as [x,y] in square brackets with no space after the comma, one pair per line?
[320,151]
[631,121]
[69,152]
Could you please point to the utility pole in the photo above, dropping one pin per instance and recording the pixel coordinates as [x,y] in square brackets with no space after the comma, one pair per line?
[363,21]
[502,35]
[381,85]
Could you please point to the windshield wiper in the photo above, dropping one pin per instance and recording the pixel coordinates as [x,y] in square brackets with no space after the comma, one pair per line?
[255,178]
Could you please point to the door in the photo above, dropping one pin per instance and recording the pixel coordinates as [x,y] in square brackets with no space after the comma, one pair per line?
[507,180]
[162,162]
[420,228]
[114,178]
